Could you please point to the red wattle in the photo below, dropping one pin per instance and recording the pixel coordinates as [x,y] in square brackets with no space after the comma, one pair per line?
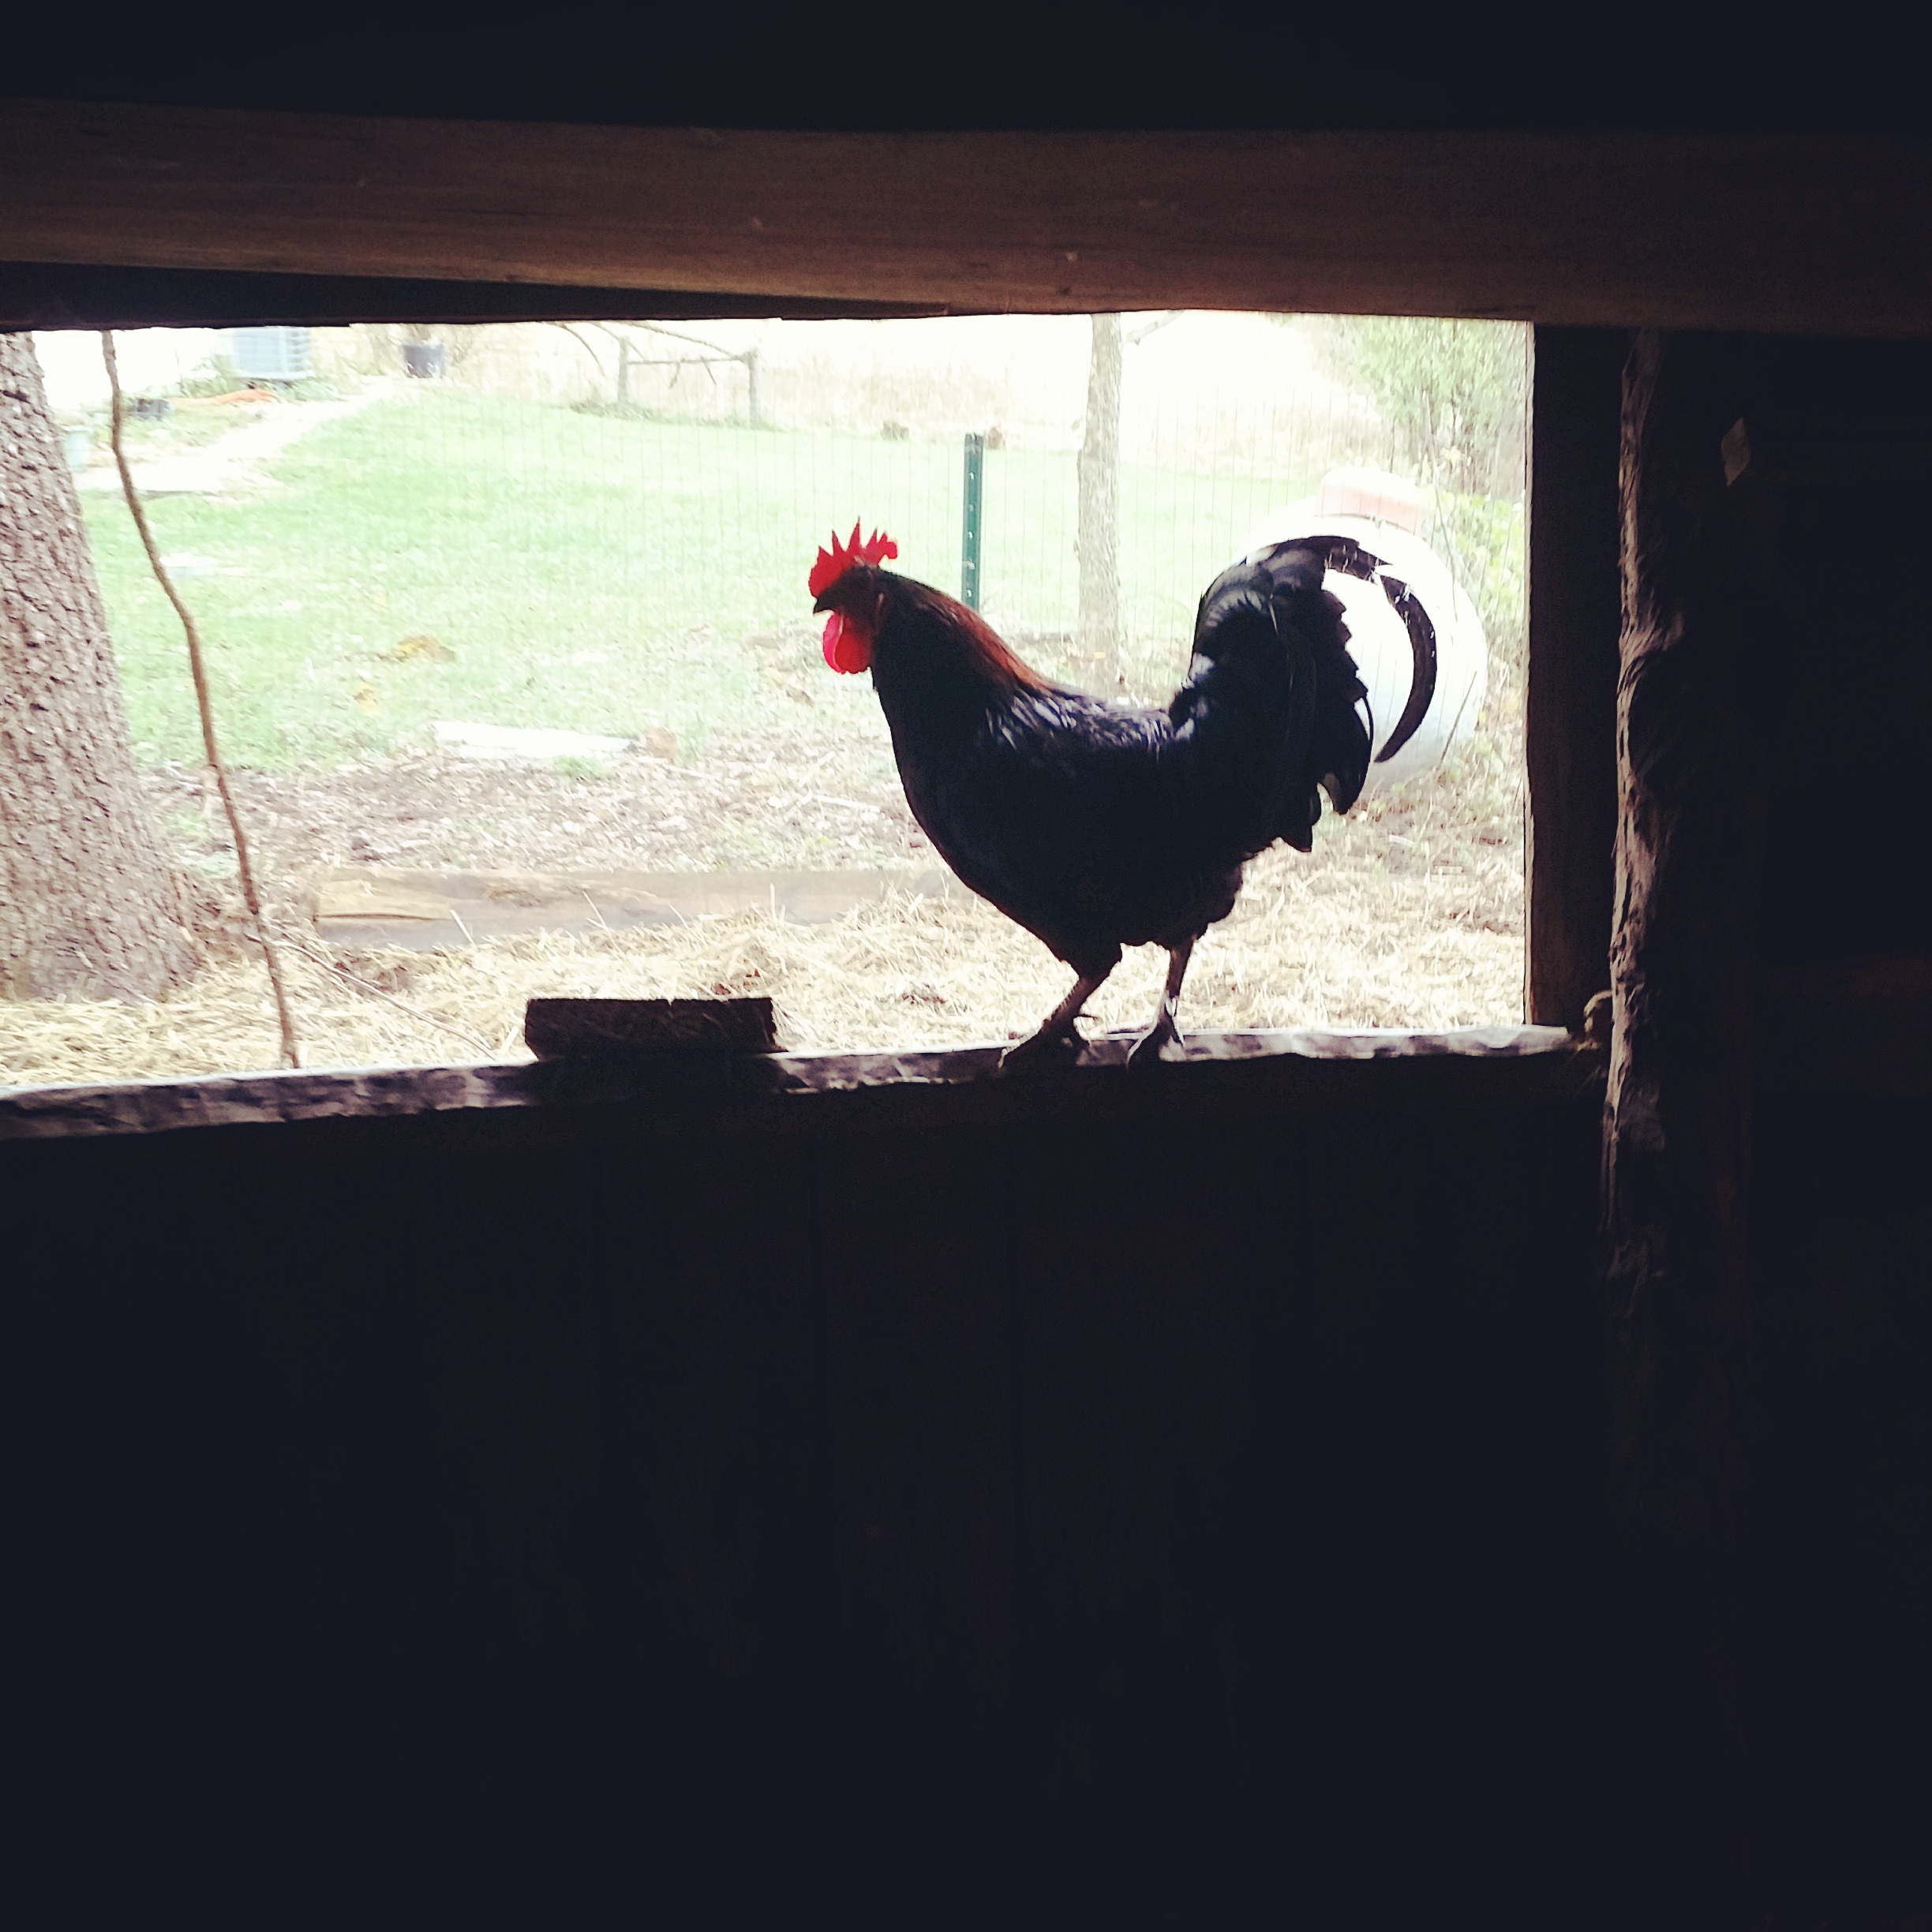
[847,648]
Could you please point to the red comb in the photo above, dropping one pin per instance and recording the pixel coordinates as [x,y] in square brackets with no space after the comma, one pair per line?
[833,563]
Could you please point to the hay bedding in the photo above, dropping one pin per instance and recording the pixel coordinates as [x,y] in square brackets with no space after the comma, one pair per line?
[1359,949]
[1409,914]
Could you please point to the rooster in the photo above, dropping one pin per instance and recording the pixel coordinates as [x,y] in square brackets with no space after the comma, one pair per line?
[1096,826]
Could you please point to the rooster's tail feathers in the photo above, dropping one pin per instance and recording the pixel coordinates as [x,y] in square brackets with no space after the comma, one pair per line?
[1344,732]
[1270,645]
[1340,733]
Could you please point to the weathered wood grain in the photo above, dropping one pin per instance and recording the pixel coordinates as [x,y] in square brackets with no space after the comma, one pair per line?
[1691,875]
[1772,1042]
[1504,1066]
[561,1029]
[1763,232]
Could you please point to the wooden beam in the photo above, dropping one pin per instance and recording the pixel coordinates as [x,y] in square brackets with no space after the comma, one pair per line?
[64,295]
[1569,702]
[1743,232]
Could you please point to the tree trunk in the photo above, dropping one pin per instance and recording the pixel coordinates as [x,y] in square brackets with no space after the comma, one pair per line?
[1099,634]
[90,905]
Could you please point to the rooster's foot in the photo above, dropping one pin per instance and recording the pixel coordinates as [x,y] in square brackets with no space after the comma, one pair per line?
[1051,1046]
[1162,1041]
[1058,1042]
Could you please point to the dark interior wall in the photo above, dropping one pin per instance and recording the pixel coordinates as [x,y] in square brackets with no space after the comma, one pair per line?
[1145,1502]
[1006,68]
[1836,1509]
[1770,1265]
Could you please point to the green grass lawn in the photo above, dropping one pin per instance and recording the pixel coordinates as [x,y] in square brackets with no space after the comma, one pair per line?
[598,573]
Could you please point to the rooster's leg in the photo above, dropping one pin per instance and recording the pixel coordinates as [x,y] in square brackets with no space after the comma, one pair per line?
[1057,1032]
[1162,1041]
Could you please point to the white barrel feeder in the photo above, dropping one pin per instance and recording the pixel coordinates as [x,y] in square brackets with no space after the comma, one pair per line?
[1412,628]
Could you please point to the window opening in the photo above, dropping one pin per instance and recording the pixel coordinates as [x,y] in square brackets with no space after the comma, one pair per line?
[516,662]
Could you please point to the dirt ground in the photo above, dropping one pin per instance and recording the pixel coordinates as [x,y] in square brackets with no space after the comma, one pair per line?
[778,800]
[1408,913]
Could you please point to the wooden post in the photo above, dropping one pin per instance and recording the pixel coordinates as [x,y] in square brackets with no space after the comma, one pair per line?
[970,518]
[1685,955]
[1569,703]
[1701,622]
[1771,904]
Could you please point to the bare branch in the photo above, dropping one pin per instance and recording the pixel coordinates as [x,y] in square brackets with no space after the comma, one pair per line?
[716,348]
[198,670]
[570,329]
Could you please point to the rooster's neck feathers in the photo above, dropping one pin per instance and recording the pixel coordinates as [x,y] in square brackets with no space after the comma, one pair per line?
[934,646]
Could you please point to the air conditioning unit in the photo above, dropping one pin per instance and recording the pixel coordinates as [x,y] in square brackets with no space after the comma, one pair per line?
[271,354]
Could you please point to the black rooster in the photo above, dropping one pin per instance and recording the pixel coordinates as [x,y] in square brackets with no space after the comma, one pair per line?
[1092,825]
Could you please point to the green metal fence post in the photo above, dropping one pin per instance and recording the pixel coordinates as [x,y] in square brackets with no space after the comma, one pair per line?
[969,532]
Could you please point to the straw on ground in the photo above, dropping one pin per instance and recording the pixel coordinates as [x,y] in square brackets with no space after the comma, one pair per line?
[1307,946]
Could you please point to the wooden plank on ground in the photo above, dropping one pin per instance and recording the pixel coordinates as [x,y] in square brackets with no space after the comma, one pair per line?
[426,911]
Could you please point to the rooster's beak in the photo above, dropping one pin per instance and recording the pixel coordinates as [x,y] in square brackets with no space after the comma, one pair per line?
[824,603]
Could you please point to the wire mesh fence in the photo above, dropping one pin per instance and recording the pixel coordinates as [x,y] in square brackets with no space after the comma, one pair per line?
[628,490]
[686,486]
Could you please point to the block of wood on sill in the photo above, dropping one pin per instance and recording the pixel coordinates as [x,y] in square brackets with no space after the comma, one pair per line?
[566,1029]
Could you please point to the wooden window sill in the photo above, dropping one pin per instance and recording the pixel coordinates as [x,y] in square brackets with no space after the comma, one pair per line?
[1506,1066]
